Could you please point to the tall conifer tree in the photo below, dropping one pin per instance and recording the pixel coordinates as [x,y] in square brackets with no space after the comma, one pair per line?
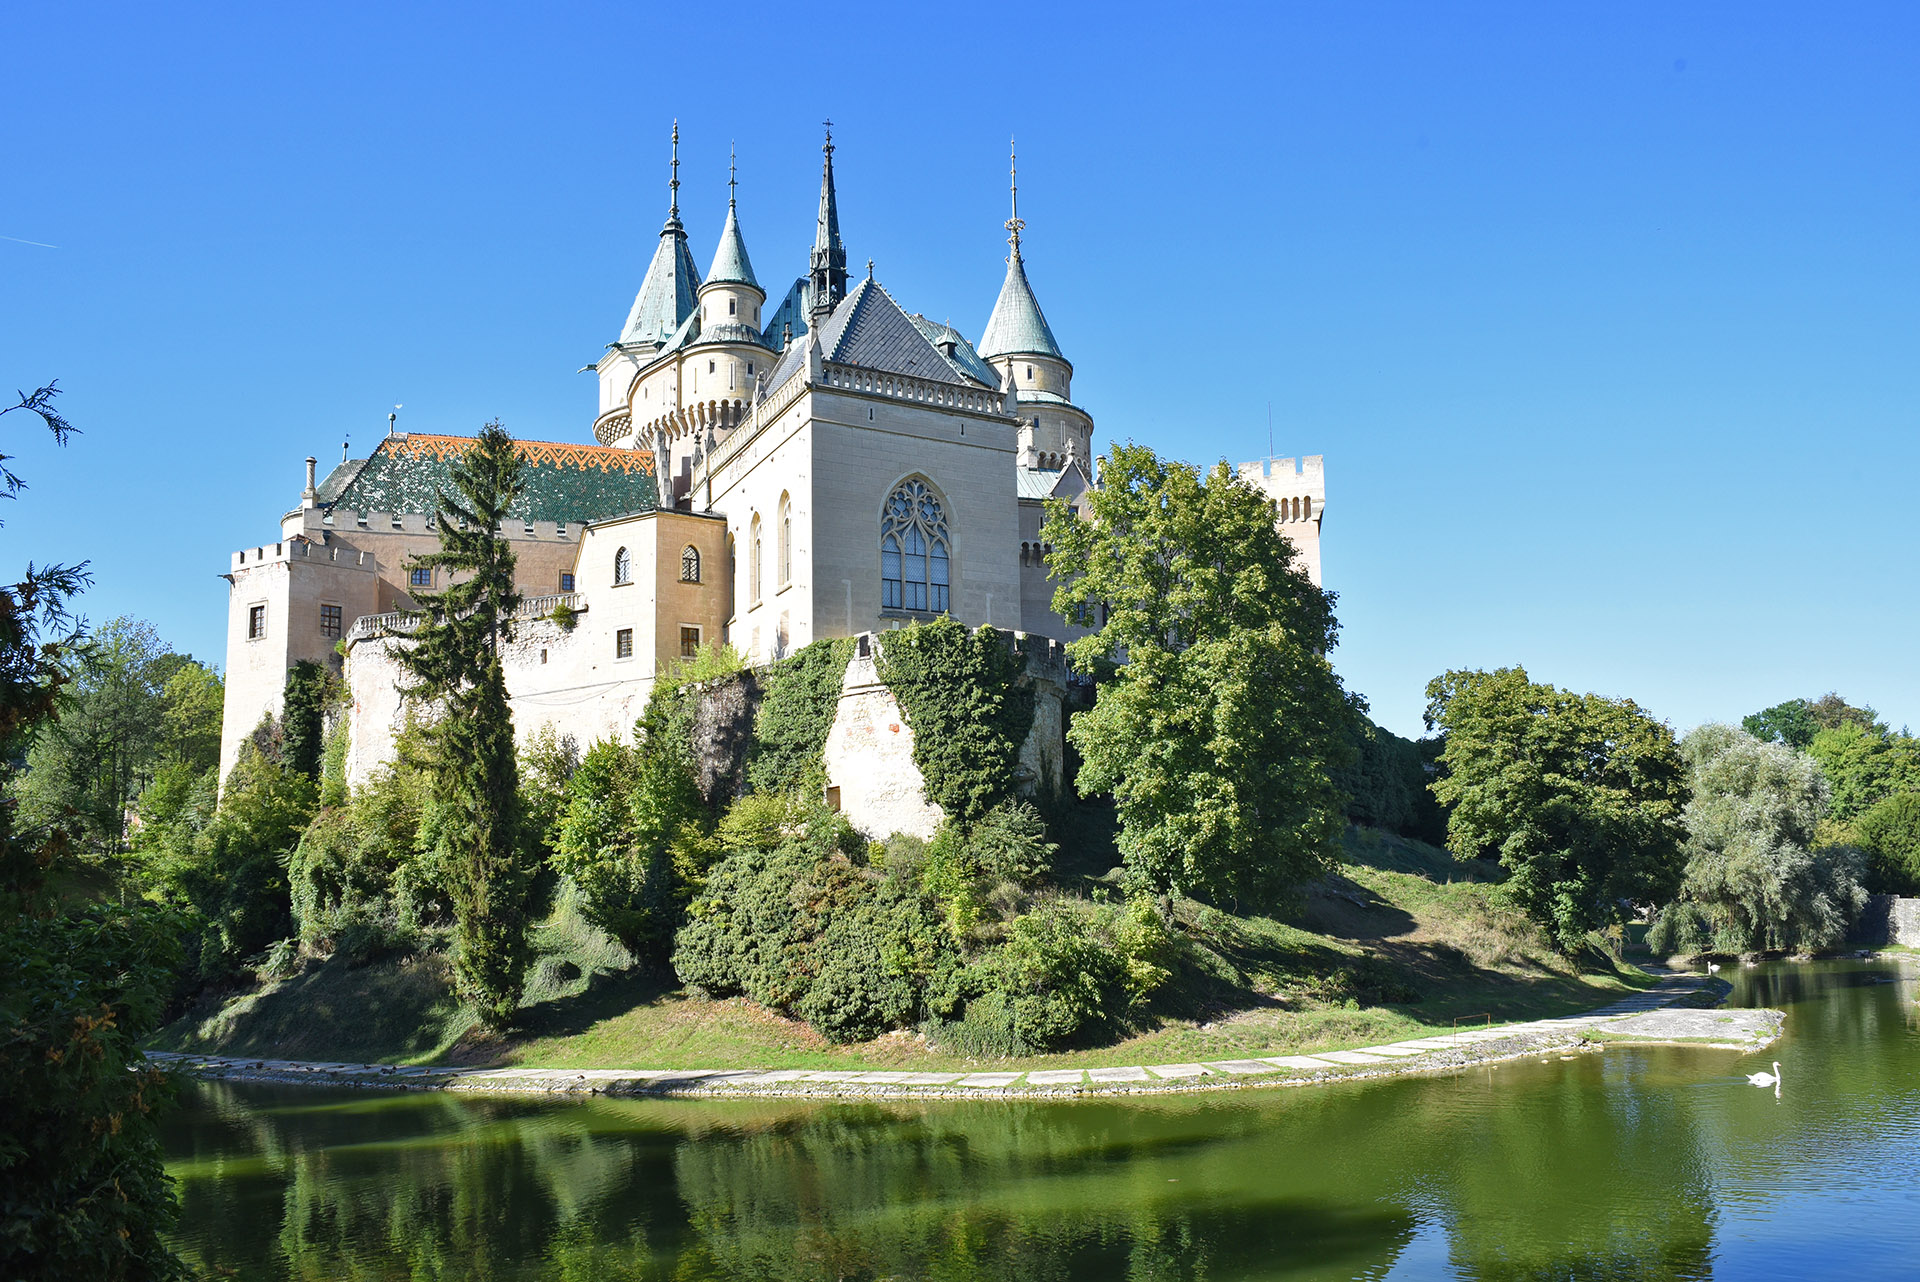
[455,661]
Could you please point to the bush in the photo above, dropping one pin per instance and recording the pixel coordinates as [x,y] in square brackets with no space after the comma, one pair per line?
[1889,832]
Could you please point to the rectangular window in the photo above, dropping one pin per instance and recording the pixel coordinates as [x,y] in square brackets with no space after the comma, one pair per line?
[256,622]
[330,621]
[623,644]
[566,583]
[421,578]
[689,642]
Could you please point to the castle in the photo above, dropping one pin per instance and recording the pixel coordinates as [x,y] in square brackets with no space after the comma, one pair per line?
[833,467]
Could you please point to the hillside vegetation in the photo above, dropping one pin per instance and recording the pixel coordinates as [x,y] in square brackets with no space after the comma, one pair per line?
[1400,941]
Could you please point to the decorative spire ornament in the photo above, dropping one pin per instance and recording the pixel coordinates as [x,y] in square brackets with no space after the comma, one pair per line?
[673,186]
[1015,224]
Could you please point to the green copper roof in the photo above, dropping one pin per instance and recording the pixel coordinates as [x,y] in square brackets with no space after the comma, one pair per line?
[666,296]
[1017,325]
[571,483]
[731,266]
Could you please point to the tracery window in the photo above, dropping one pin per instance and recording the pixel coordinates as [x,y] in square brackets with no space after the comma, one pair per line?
[753,560]
[914,550]
[622,567]
[689,564]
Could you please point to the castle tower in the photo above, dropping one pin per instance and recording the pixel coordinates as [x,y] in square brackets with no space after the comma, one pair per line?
[1019,344]
[828,277]
[731,295]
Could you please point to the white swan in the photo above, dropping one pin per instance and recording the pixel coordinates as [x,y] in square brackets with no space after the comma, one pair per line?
[1766,1079]
[1712,967]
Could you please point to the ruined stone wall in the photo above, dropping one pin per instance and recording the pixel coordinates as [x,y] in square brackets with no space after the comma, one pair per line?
[1888,920]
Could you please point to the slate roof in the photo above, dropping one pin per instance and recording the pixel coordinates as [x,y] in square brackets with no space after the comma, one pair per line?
[1017,326]
[1045,483]
[730,262]
[963,357]
[667,294]
[869,329]
[792,311]
[564,482]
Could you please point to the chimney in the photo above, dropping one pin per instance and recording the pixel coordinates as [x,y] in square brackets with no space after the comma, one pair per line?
[311,496]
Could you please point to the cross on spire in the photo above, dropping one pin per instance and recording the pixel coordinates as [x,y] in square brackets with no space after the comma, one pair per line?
[1014,224]
[673,187]
[732,180]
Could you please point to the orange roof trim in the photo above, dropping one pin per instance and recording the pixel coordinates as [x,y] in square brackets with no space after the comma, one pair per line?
[537,453]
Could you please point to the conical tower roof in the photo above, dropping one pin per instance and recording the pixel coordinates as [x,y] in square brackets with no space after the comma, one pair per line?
[667,294]
[1017,325]
[731,266]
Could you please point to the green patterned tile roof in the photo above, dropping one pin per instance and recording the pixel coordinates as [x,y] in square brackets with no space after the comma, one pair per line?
[571,483]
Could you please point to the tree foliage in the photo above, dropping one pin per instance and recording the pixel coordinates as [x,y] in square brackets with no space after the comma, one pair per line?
[1754,877]
[1386,780]
[799,697]
[1796,721]
[454,660]
[1889,832]
[1579,797]
[1864,764]
[1220,730]
[83,1192]
[964,695]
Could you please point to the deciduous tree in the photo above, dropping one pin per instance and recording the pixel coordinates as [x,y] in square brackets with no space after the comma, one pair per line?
[1223,722]
[1579,797]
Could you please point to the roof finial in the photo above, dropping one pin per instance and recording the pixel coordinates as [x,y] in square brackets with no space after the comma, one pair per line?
[732,180]
[869,269]
[1015,223]
[829,147]
[674,186]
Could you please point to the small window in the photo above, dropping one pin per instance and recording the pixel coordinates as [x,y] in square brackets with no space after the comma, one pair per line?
[1029,371]
[709,367]
[421,577]
[623,644]
[689,564]
[256,622]
[733,307]
[622,567]
[559,529]
[529,529]
[689,642]
[396,521]
[566,583]
[749,369]
[330,621]
[543,656]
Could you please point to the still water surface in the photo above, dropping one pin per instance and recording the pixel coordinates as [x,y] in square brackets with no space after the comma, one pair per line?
[1645,1163]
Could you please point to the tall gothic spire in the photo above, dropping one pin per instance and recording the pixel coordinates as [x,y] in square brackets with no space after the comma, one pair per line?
[731,266]
[1017,324]
[829,258]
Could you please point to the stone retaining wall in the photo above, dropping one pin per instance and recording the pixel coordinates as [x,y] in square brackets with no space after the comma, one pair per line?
[1888,920]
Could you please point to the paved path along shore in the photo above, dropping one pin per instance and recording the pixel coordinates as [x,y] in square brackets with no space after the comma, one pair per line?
[1648,1017]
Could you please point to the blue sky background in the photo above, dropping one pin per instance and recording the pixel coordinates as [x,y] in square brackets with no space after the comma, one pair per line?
[1605,316]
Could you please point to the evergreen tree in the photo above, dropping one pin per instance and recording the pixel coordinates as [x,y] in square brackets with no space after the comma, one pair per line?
[455,662]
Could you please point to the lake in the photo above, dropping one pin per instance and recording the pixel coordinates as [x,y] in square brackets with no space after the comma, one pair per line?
[1657,1162]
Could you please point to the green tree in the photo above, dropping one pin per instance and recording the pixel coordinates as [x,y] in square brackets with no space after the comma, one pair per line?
[1796,721]
[1865,764]
[192,704]
[1579,797]
[454,660]
[1754,878]
[1890,834]
[1220,729]
[100,749]
[83,1192]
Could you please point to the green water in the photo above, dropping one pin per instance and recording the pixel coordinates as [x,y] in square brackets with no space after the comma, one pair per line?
[1642,1163]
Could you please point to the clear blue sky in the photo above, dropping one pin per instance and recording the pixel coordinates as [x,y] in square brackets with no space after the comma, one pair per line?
[1605,316]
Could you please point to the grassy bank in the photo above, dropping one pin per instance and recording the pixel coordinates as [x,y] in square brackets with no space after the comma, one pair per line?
[1402,941]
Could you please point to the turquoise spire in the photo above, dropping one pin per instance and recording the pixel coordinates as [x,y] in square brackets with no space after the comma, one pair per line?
[731,266]
[667,294]
[1017,326]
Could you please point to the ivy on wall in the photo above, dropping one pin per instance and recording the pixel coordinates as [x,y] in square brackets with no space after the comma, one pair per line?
[798,699]
[970,711]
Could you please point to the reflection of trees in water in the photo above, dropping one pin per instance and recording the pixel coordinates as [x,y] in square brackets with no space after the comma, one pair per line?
[1576,1170]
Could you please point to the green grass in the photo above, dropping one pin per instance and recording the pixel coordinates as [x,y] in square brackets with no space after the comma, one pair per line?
[1401,942]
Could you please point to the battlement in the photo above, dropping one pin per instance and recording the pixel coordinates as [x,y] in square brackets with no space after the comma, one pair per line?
[300,549]
[1309,471]
[1046,658]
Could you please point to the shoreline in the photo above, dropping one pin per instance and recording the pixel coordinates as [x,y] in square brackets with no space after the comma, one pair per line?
[1650,1018]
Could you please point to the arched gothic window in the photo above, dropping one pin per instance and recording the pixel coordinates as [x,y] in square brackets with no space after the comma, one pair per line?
[914,550]
[689,564]
[622,567]
[786,540]
[1308,509]
[753,560]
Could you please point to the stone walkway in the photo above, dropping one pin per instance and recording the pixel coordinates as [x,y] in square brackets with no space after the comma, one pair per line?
[1643,1018]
